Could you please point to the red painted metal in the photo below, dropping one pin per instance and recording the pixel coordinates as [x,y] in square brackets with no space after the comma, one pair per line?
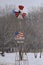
[21,7]
[23,15]
[16,14]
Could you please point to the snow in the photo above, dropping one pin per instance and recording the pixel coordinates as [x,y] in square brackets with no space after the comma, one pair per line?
[9,59]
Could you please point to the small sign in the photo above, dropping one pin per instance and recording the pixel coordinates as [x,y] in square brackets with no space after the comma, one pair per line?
[19,36]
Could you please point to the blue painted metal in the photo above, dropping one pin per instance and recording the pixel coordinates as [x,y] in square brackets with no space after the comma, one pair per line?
[16,33]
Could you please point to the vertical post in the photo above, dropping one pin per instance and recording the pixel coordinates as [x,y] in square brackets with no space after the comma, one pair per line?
[35,54]
[40,54]
[20,25]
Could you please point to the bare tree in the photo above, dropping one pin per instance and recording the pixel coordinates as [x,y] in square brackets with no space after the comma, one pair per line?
[31,26]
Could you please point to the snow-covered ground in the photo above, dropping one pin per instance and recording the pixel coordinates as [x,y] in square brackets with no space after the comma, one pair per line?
[9,59]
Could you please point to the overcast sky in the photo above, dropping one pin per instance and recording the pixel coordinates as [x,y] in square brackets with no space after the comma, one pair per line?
[27,3]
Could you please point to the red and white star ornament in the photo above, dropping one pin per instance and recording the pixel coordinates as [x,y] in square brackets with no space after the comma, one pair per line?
[19,13]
